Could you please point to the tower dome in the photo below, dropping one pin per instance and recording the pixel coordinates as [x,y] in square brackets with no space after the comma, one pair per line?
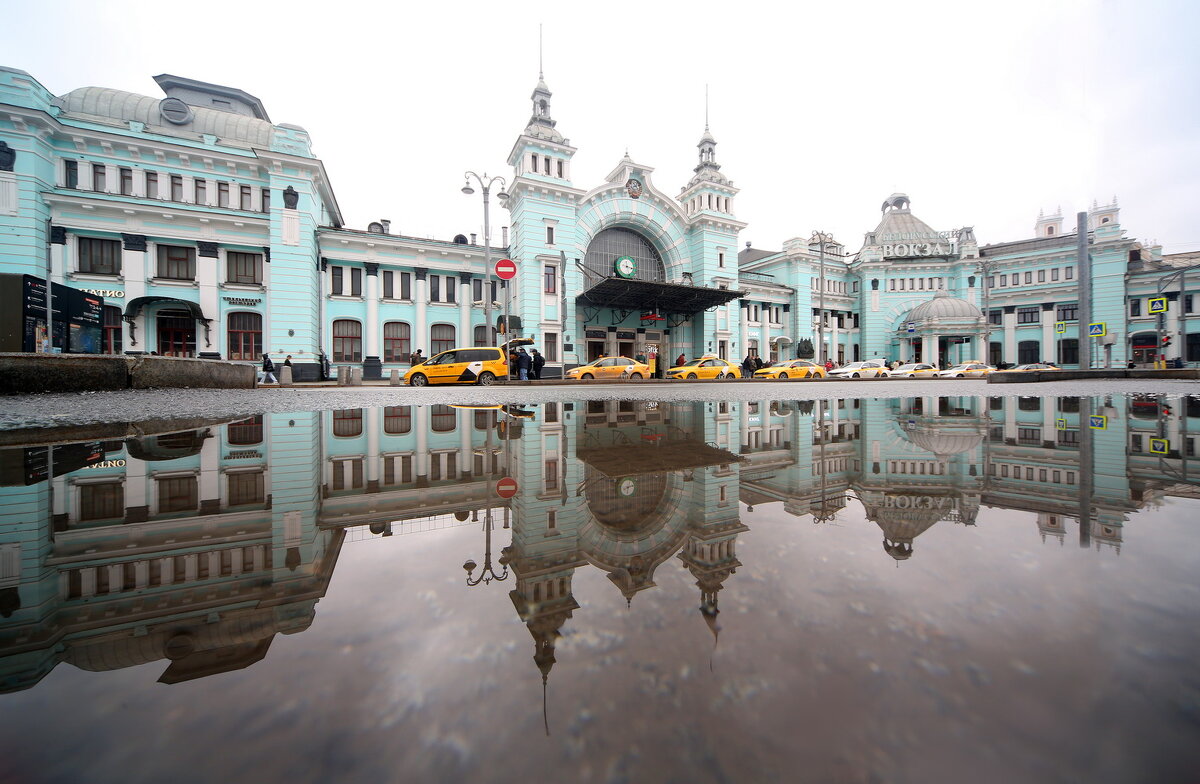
[943,307]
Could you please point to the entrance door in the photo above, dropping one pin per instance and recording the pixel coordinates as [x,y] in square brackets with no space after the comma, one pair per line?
[176,334]
[594,349]
[625,349]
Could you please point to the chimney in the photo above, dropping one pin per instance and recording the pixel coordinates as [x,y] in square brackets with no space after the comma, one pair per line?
[504,235]
[473,242]
[387,226]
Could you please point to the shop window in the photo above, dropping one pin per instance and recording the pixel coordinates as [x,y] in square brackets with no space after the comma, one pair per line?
[441,338]
[347,422]
[245,268]
[397,341]
[176,262]
[550,346]
[347,341]
[245,336]
[397,420]
[99,257]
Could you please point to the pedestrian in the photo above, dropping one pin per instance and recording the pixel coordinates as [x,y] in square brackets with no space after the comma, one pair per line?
[680,360]
[747,365]
[524,364]
[828,365]
[268,371]
[538,362]
[640,358]
[325,368]
[415,358]
[287,362]
[758,363]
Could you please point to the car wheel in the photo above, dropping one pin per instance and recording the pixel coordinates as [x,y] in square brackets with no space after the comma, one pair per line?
[856,375]
[783,376]
[635,375]
[691,376]
[586,377]
[419,381]
[486,379]
[960,375]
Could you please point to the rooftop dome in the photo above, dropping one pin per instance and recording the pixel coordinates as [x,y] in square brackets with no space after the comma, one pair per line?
[944,307]
[944,443]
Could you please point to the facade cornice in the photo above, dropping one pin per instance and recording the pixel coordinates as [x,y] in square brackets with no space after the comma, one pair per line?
[197,217]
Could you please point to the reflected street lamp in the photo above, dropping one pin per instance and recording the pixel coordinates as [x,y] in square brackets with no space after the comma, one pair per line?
[487,573]
[485,184]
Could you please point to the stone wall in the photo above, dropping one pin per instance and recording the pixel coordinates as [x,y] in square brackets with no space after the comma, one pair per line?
[24,374]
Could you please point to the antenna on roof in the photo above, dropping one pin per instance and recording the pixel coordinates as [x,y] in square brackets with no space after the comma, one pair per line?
[540,74]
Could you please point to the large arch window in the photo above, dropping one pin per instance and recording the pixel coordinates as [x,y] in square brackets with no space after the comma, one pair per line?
[347,341]
[397,341]
[397,420]
[347,422]
[245,336]
[442,419]
[441,338]
[610,244]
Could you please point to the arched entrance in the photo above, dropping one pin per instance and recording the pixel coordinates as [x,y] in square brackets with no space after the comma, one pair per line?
[616,243]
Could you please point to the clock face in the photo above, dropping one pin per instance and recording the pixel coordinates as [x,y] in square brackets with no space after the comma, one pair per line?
[625,266]
[627,487]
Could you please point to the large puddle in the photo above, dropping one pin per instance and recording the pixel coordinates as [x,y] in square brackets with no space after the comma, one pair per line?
[908,589]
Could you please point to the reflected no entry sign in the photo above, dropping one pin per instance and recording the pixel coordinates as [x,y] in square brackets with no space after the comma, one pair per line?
[506,487]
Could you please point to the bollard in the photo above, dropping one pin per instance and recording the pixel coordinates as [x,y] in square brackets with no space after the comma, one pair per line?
[395,377]
[285,376]
[343,375]
[356,376]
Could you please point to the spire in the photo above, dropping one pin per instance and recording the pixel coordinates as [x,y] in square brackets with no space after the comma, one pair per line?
[541,124]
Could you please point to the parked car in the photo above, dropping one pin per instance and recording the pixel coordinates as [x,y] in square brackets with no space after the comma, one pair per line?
[791,368]
[1030,366]
[466,365]
[867,369]
[610,367]
[705,367]
[967,370]
[912,370]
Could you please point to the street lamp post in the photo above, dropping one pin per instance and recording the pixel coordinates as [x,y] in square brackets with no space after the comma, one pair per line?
[485,184]
[822,238]
[986,268]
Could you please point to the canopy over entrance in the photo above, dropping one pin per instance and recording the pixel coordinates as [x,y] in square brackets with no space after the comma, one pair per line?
[653,458]
[654,295]
[138,304]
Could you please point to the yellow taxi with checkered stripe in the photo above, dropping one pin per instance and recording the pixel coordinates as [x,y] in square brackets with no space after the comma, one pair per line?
[706,367]
[791,368]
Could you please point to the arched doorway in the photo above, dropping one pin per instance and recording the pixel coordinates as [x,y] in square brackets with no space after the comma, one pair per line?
[612,244]
[176,333]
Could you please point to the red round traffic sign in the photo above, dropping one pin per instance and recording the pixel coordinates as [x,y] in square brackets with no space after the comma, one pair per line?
[506,269]
[506,487]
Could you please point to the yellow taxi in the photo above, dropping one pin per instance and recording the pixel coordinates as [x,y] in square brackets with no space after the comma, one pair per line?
[791,368]
[912,370]
[473,365]
[610,367]
[1029,367]
[966,370]
[706,367]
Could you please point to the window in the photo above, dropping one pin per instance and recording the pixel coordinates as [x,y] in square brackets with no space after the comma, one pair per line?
[995,316]
[101,501]
[200,191]
[1135,442]
[176,263]
[1187,303]
[550,279]
[397,420]
[533,159]
[442,419]
[335,280]
[266,199]
[246,201]
[550,344]
[178,494]
[1068,312]
[1070,273]
[441,338]
[176,187]
[347,422]
[550,475]
[481,335]
[347,474]
[1135,307]
[1041,276]
[389,285]
[151,185]
[244,267]
[546,163]
[1193,347]
[99,257]
[1029,404]
[356,282]
[560,169]
[720,259]
[1028,351]
[246,432]
[98,182]
[450,288]
[347,341]
[245,336]
[71,174]
[126,181]
[1029,436]
[435,288]
[1015,279]
[246,487]
[397,341]
[111,341]
[477,290]
[222,194]
[1068,351]
[405,285]
[484,419]
[1029,316]
[550,412]
[1068,438]
[1029,277]
[1054,274]
[549,235]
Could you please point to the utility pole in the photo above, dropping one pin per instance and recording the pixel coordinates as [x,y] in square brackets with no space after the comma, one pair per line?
[1084,276]
[821,237]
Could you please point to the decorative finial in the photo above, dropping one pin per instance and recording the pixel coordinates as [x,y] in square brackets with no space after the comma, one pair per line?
[541,75]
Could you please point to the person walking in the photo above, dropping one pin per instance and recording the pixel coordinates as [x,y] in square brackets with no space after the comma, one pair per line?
[524,364]
[538,362]
[415,358]
[268,371]
[748,366]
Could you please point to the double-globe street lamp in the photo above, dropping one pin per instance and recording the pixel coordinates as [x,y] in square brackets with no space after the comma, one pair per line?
[485,184]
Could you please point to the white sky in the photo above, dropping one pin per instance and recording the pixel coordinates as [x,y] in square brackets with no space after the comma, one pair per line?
[982,113]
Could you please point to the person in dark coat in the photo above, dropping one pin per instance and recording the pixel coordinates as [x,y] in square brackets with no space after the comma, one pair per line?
[524,364]
[748,366]
[268,371]
[680,360]
[537,363]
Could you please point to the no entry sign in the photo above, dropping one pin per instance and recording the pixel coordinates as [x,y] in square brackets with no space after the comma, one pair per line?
[506,269]
[506,487]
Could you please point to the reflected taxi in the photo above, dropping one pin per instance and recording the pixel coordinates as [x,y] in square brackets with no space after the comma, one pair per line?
[705,367]
[791,368]
[610,367]
[912,370]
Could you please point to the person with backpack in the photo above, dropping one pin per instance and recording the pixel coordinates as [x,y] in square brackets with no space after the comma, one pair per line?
[538,362]
[268,371]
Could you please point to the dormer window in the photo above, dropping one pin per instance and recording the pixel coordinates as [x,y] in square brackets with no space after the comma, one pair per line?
[1049,231]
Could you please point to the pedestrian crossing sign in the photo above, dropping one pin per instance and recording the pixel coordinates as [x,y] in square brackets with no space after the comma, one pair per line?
[1158,304]
[1098,422]
[1060,424]
[1060,327]
[1097,330]
[1160,446]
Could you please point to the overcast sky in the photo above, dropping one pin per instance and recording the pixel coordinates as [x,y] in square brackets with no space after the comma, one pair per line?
[982,113]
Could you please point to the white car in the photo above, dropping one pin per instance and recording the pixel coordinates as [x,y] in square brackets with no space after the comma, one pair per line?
[869,369]
[912,370]
[966,370]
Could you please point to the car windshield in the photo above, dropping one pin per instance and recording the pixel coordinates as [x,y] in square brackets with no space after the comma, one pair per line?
[855,366]
[908,367]
[782,364]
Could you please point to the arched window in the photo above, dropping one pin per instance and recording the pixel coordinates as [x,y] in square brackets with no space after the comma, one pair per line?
[441,338]
[610,244]
[245,336]
[347,422]
[246,432]
[112,330]
[397,343]
[443,419]
[347,341]
[397,420]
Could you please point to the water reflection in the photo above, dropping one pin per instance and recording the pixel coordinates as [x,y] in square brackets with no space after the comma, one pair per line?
[199,547]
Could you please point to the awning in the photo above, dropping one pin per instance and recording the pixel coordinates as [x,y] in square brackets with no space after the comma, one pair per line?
[653,295]
[780,339]
[658,458]
[138,304]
